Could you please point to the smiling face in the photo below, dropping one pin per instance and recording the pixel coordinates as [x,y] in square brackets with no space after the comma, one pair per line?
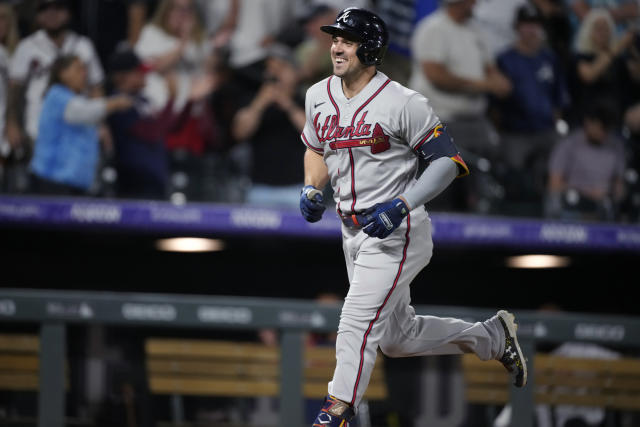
[343,55]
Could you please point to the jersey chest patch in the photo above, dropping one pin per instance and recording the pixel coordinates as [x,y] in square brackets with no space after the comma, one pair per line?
[359,135]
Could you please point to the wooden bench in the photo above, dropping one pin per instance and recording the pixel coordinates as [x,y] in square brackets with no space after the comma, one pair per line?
[238,369]
[19,362]
[613,384]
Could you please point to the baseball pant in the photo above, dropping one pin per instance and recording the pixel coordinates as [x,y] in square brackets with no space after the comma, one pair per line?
[377,311]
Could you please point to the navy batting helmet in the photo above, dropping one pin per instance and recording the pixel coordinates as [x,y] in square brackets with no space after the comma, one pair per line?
[365,27]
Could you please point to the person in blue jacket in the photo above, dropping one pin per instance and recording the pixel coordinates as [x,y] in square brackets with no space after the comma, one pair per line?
[67,151]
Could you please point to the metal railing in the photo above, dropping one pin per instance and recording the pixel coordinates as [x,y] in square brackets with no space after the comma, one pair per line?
[53,310]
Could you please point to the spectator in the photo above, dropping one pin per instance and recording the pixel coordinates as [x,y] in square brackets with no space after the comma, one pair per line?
[401,17]
[221,18]
[29,71]
[109,23]
[311,54]
[586,170]
[527,117]
[453,68]
[8,42]
[598,72]
[259,23]
[495,21]
[557,28]
[623,12]
[66,151]
[175,42]
[272,122]
[139,133]
[30,64]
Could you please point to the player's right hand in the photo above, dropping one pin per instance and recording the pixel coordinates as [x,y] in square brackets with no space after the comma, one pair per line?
[311,203]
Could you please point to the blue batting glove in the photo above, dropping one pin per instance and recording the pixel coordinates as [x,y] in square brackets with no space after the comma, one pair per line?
[311,203]
[383,218]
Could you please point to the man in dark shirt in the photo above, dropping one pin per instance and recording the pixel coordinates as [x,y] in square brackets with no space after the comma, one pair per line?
[271,123]
[138,133]
[527,116]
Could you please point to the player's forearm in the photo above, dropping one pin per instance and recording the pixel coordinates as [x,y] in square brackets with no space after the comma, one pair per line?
[433,181]
[315,170]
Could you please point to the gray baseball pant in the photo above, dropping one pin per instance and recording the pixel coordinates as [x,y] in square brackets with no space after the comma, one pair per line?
[377,311]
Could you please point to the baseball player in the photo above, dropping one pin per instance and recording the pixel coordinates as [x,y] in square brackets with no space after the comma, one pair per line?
[365,134]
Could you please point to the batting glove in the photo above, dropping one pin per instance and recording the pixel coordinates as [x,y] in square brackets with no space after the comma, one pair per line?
[311,203]
[383,218]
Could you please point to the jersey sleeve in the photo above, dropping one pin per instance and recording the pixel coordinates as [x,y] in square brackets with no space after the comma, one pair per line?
[417,120]
[309,136]
[426,135]
[95,73]
[19,63]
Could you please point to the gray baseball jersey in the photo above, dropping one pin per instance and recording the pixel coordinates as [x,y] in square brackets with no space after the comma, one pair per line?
[368,145]
[367,141]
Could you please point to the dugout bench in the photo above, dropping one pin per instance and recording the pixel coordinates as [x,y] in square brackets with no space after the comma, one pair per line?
[53,311]
[188,367]
[20,367]
[558,380]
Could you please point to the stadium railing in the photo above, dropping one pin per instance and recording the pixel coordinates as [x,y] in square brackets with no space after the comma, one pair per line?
[54,310]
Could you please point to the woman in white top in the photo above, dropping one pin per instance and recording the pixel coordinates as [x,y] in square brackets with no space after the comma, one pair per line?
[175,43]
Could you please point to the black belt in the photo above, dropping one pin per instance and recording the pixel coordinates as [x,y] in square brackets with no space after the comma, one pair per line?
[355,220]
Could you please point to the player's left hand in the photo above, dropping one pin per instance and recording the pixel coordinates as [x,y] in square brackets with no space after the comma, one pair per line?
[383,218]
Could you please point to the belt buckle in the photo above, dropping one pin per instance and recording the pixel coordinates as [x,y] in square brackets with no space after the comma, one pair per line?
[350,221]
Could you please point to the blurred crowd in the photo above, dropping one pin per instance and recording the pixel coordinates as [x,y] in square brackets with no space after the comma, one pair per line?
[203,100]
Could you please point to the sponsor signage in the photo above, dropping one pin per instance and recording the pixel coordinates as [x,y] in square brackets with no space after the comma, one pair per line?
[163,216]
[98,213]
[261,219]
[294,318]
[149,312]
[229,315]
[599,332]
[80,310]
[7,307]
[559,233]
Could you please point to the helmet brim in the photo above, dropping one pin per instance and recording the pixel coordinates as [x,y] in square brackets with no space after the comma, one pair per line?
[341,30]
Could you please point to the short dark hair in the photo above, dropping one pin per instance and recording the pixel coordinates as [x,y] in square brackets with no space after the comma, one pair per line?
[59,65]
[603,112]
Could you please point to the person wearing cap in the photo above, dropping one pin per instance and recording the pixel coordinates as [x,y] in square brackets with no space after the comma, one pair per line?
[527,116]
[139,132]
[30,66]
[66,152]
